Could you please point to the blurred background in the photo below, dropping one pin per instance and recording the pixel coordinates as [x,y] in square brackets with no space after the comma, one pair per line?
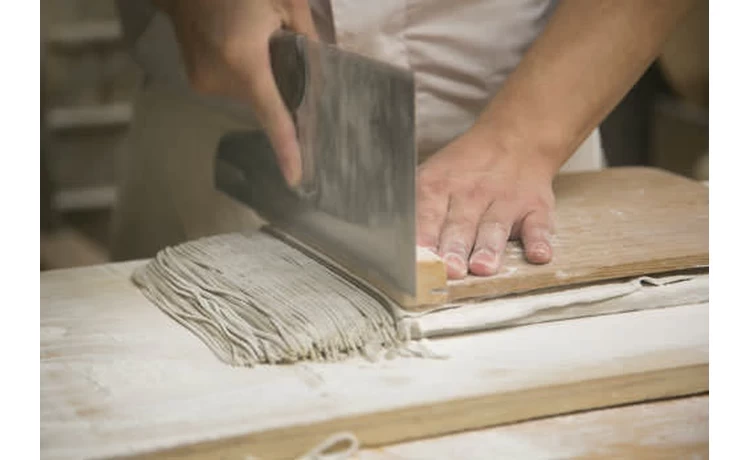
[88,81]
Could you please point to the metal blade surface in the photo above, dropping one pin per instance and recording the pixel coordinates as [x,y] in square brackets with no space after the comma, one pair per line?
[355,125]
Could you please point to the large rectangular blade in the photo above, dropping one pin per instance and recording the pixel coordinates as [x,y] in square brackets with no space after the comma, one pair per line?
[355,124]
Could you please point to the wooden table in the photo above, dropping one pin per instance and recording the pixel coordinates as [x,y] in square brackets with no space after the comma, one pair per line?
[676,428]
[119,378]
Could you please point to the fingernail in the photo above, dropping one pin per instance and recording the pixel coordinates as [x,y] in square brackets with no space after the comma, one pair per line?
[484,256]
[291,175]
[484,262]
[455,265]
[290,161]
[540,248]
[539,252]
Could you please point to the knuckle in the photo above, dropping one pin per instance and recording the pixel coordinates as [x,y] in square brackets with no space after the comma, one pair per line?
[536,233]
[484,188]
[478,191]
[460,223]
[428,214]
[509,195]
[493,235]
[537,228]
[500,194]
[454,245]
[495,228]
[432,186]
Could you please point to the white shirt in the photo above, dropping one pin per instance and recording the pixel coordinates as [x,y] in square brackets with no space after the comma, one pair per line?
[461,52]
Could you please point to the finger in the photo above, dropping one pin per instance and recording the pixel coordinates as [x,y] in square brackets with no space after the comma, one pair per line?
[458,235]
[492,236]
[430,218]
[271,111]
[432,207]
[536,231]
[300,19]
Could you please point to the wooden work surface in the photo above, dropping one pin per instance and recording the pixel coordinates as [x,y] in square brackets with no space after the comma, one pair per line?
[610,224]
[118,378]
[671,429]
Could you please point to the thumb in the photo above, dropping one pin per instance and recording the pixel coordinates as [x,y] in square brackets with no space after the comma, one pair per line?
[266,98]
[300,19]
[272,113]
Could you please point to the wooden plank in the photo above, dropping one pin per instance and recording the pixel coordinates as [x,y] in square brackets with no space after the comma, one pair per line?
[616,223]
[120,378]
[675,428]
[432,279]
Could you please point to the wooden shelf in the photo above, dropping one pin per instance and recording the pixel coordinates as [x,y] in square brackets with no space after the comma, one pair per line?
[78,36]
[85,199]
[86,117]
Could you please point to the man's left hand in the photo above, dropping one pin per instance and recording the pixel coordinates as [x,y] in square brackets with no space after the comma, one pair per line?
[472,197]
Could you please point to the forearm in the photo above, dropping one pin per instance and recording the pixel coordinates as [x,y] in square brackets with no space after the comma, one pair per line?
[589,56]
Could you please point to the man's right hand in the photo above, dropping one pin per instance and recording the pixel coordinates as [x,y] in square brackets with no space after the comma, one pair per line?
[225,48]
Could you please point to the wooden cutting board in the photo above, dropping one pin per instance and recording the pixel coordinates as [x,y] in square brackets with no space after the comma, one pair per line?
[119,377]
[610,224]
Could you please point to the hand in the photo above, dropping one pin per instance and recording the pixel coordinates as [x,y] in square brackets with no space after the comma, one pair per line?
[225,47]
[472,197]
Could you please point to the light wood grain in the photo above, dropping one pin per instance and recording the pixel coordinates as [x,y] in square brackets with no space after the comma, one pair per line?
[610,224]
[665,429]
[432,279]
[120,378]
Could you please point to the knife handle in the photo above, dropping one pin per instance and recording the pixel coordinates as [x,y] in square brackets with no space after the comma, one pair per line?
[292,61]
[289,66]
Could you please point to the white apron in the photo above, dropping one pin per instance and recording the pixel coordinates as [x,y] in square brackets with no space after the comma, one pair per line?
[460,53]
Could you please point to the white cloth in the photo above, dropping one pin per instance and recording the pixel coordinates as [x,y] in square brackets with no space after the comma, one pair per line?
[461,52]
[635,294]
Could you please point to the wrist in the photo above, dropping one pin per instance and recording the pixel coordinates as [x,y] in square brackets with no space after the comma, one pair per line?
[527,152]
